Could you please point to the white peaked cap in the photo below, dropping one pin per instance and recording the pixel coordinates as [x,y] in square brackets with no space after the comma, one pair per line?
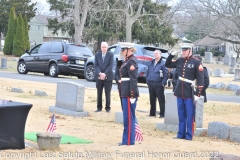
[126,44]
[186,45]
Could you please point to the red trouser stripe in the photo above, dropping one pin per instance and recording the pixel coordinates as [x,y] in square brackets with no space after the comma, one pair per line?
[129,121]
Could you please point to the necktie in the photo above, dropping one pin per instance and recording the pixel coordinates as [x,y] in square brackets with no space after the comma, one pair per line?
[103,58]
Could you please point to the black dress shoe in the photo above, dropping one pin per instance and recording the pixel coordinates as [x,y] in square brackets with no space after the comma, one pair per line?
[98,110]
[161,117]
[151,115]
[108,111]
[177,138]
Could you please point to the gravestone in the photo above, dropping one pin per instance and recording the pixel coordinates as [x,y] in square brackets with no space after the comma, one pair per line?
[210,72]
[218,72]
[220,58]
[40,93]
[69,99]
[233,61]
[219,130]
[232,87]
[208,58]
[237,75]
[231,70]
[17,90]
[4,63]
[119,117]
[234,134]
[171,115]
[237,91]
[227,60]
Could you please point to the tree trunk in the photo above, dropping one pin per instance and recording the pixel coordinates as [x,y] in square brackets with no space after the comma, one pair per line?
[76,13]
[129,23]
[79,22]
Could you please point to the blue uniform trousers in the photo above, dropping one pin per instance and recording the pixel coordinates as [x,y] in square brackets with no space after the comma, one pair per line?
[129,117]
[186,111]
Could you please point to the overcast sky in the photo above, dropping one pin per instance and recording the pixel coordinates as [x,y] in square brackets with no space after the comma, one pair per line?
[42,5]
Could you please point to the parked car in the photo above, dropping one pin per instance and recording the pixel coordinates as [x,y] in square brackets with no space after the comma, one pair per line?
[55,58]
[144,54]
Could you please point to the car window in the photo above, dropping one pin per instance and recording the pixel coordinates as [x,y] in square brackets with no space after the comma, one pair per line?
[45,48]
[57,47]
[75,50]
[149,51]
[112,49]
[35,49]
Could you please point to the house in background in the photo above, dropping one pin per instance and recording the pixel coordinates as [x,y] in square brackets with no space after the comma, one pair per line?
[216,46]
[39,31]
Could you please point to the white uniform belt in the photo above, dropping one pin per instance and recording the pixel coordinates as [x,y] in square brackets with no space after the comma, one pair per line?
[186,80]
[125,79]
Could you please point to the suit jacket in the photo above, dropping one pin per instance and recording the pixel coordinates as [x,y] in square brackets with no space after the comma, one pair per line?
[104,67]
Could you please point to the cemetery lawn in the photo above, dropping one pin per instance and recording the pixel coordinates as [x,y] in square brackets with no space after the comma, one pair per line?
[106,134]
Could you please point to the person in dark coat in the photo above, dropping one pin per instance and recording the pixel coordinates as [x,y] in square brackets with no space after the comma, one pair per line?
[119,62]
[103,76]
[157,76]
[188,69]
[129,92]
[206,82]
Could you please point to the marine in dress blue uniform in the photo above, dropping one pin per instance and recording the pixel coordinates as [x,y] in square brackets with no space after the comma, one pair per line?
[188,69]
[129,92]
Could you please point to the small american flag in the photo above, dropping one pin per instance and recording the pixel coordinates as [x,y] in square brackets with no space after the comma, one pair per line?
[138,133]
[52,125]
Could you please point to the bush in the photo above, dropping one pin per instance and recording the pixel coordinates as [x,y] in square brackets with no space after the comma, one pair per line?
[201,52]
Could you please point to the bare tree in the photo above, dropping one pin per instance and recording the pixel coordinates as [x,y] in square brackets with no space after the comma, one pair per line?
[79,21]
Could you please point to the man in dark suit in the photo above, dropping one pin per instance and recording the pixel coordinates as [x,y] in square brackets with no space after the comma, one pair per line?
[103,76]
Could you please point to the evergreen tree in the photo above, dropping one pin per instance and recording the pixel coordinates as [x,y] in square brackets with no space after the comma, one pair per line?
[18,42]
[27,43]
[8,45]
[25,7]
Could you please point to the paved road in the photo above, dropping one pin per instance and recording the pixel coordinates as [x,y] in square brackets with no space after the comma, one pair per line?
[142,88]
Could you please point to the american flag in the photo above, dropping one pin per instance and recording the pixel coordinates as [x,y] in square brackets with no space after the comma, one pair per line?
[138,133]
[52,125]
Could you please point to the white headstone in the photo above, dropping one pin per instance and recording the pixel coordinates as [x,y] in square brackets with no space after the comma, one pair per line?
[208,58]
[4,63]
[227,60]
[218,72]
[233,61]
[237,75]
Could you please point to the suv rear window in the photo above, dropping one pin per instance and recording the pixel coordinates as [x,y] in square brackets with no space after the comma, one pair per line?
[82,51]
[149,51]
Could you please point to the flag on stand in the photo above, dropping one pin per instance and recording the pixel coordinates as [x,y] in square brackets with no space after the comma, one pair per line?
[52,125]
[138,133]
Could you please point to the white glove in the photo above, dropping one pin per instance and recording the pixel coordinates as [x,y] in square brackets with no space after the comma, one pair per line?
[175,53]
[132,100]
[120,56]
[196,98]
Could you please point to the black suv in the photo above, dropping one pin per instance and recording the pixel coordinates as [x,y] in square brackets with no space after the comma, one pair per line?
[144,54]
[55,58]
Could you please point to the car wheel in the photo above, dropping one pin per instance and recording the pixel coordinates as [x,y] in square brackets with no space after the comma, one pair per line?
[89,73]
[22,69]
[53,70]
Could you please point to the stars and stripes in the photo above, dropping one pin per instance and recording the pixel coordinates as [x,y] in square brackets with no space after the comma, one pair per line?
[52,125]
[138,133]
